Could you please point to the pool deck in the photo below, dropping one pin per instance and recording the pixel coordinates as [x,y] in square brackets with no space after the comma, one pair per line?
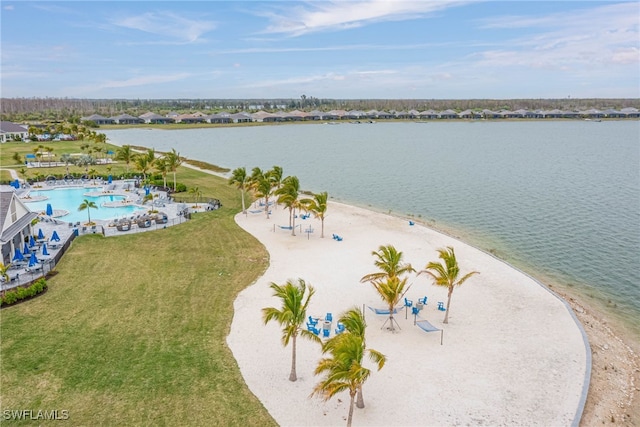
[174,214]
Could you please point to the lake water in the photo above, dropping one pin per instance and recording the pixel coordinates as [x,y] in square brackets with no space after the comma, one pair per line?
[559,200]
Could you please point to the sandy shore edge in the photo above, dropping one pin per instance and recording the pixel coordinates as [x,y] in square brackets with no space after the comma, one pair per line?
[513,352]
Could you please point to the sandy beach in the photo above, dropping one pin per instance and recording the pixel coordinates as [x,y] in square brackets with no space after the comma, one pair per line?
[513,353]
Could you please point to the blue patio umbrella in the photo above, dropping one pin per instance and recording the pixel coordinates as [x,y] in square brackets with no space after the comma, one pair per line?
[32,241]
[49,210]
[146,191]
[18,255]
[33,260]
[110,179]
[55,236]
[40,234]
[26,250]
[45,252]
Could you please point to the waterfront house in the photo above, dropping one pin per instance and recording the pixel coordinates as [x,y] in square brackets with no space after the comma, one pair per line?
[10,131]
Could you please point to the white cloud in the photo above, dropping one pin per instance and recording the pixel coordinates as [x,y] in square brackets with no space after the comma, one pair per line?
[167,24]
[143,80]
[340,15]
[594,37]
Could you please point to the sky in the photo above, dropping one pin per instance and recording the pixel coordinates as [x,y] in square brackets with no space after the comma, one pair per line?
[347,49]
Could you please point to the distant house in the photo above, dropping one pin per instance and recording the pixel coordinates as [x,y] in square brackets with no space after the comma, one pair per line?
[592,114]
[447,114]
[266,117]
[126,119]
[12,132]
[427,114]
[97,119]
[218,118]
[241,118]
[153,118]
[191,118]
[15,219]
[630,112]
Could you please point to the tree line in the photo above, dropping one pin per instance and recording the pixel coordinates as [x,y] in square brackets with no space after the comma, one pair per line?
[71,109]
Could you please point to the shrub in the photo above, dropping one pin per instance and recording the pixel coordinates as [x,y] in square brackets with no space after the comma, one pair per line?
[15,295]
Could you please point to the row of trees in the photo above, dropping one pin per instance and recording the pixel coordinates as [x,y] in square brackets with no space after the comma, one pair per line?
[145,162]
[73,109]
[342,364]
[265,184]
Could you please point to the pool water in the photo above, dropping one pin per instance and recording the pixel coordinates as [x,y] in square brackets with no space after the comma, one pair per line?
[68,199]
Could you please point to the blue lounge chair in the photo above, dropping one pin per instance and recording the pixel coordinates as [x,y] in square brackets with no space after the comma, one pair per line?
[312,321]
[441,306]
[326,332]
[313,329]
[423,300]
[412,223]
[328,317]
[340,328]
[408,302]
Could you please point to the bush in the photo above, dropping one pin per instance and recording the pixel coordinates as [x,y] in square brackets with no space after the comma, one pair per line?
[15,295]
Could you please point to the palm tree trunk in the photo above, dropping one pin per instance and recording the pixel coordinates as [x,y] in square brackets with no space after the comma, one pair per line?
[322,228]
[350,417]
[446,316]
[360,400]
[244,210]
[174,181]
[293,227]
[292,375]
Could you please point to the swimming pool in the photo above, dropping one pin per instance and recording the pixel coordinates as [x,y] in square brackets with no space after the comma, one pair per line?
[69,199]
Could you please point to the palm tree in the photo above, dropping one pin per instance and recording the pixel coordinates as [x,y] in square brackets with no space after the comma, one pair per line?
[125,154]
[295,301]
[240,179]
[197,193]
[389,261]
[49,150]
[66,158]
[343,368]
[388,282]
[276,174]
[318,206]
[92,175]
[354,323]
[288,195]
[174,161]
[86,204]
[162,167]
[142,164]
[262,185]
[3,271]
[446,274]
[17,157]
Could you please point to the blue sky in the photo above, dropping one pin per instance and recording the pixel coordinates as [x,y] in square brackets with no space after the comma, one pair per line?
[325,49]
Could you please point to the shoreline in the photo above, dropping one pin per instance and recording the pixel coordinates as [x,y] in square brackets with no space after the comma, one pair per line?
[612,392]
[505,329]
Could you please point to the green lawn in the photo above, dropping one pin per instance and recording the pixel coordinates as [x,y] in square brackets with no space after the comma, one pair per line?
[132,329]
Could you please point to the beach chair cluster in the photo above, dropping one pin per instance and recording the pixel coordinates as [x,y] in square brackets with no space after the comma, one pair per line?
[325,328]
[337,238]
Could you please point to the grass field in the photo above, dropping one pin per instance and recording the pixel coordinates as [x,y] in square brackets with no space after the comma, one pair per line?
[132,329]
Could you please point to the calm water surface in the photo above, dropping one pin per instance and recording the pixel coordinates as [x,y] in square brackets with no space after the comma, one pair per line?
[560,200]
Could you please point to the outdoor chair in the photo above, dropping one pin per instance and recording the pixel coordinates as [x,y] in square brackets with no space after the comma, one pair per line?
[408,302]
[312,321]
[423,300]
[325,333]
[441,306]
[328,317]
